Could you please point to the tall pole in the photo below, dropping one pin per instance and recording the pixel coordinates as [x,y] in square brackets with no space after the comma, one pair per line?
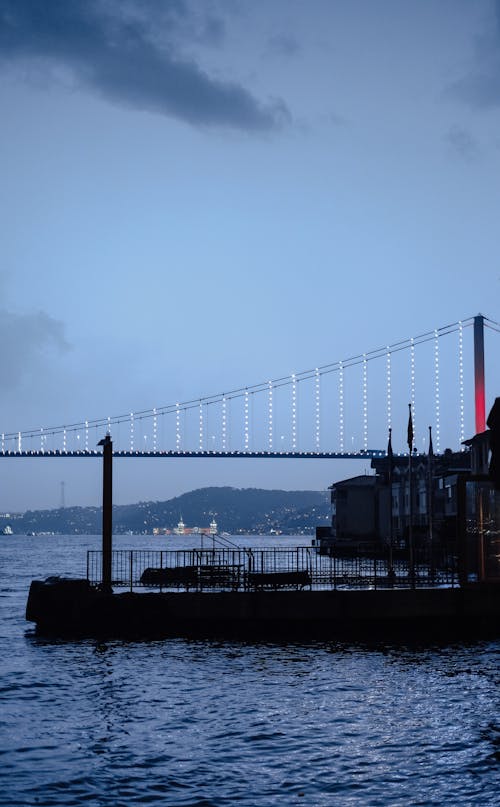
[410,516]
[390,457]
[410,497]
[479,386]
[107,509]
[430,502]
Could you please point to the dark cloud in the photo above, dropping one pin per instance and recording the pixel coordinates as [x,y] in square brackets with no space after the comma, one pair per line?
[129,52]
[283,45]
[186,21]
[480,89]
[481,86]
[27,339]
[462,143]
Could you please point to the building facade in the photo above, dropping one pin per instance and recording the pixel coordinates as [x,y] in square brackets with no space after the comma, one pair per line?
[378,510]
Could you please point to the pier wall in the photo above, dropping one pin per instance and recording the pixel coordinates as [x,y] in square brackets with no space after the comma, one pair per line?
[72,607]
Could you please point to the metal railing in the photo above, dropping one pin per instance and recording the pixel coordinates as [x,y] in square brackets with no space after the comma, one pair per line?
[263,569]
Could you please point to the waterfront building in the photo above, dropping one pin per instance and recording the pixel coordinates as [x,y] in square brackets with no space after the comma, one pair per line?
[374,511]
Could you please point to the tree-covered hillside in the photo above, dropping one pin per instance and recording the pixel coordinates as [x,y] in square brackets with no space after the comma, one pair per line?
[235,510]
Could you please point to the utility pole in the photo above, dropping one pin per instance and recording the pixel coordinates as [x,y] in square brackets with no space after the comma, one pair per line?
[411,564]
[107,510]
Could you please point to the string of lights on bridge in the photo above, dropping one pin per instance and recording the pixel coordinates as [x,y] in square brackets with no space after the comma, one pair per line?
[14,443]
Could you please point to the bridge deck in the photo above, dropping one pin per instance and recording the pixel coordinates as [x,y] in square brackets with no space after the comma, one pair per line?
[318,455]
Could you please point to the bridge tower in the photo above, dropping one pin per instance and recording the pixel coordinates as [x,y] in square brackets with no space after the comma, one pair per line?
[479,386]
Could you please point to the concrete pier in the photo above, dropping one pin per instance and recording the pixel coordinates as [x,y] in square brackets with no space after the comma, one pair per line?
[73,608]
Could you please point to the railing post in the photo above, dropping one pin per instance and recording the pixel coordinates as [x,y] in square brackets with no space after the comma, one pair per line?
[131,569]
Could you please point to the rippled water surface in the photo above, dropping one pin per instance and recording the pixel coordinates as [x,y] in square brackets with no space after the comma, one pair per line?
[203,723]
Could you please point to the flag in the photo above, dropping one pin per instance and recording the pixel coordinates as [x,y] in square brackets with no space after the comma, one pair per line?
[410,430]
[430,459]
[390,455]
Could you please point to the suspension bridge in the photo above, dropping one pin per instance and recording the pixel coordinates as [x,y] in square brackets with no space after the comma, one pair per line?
[334,411]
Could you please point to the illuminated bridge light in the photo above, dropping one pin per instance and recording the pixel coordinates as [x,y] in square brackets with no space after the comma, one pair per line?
[341,406]
[317,396]
[365,402]
[200,418]
[177,427]
[245,418]
[270,405]
[388,370]
[294,412]
[224,423]
[436,389]
[412,381]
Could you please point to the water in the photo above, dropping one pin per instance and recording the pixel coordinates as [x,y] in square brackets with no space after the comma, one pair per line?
[226,723]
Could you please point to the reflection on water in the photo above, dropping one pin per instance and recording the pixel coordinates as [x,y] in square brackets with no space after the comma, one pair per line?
[181,722]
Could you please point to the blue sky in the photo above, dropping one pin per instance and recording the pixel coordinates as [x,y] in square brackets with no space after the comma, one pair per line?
[201,196]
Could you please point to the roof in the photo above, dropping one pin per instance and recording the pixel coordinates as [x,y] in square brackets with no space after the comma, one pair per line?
[363,480]
[478,439]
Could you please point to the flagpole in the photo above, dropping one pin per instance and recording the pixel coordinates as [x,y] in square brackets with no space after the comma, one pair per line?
[411,569]
[410,524]
[391,532]
[430,505]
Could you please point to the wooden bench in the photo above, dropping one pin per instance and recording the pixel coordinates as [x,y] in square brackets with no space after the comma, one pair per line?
[213,576]
[207,576]
[178,577]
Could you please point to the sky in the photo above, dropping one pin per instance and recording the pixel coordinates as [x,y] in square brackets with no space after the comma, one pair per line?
[198,197]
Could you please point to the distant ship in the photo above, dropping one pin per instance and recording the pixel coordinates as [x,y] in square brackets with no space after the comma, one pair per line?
[7,530]
[180,529]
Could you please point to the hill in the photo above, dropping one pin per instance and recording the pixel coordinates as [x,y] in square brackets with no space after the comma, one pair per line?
[247,510]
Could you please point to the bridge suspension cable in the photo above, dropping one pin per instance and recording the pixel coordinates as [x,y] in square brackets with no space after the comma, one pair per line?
[266,393]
